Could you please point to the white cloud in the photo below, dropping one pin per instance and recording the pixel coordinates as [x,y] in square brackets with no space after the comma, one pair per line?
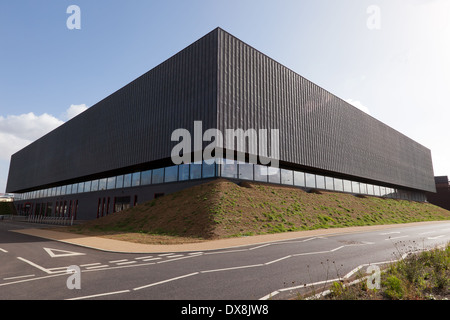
[73,111]
[358,105]
[17,131]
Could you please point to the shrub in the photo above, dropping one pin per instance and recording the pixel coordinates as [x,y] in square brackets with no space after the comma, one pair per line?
[394,289]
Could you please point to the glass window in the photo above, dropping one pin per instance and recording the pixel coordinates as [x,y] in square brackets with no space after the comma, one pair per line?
[63,190]
[195,170]
[209,169]
[347,186]
[355,187]
[310,180]
[158,176]
[75,188]
[127,180]
[370,190]
[260,173]
[377,190]
[81,187]
[87,186]
[299,178]
[102,184]
[111,183]
[119,182]
[136,179]
[171,174]
[382,191]
[183,172]
[320,182]
[274,175]
[329,183]
[146,177]
[287,177]
[94,185]
[245,171]
[58,191]
[363,188]
[229,169]
[338,185]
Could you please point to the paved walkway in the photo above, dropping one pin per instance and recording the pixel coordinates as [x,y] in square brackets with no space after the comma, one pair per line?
[105,244]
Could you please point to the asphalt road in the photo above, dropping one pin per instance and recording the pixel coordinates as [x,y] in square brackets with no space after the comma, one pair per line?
[33,268]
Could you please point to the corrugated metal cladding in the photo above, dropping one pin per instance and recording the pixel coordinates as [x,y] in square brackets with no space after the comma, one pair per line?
[131,126]
[317,129]
[228,85]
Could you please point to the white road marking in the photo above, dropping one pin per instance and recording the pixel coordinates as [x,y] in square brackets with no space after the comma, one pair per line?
[3,250]
[116,261]
[127,262]
[165,281]
[19,277]
[151,259]
[233,268]
[90,264]
[53,254]
[35,265]
[393,238]
[141,258]
[434,238]
[100,295]
[165,254]
[423,233]
[96,267]
[386,233]
[267,263]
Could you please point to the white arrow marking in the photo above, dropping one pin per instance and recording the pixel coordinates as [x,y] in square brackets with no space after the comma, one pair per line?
[63,253]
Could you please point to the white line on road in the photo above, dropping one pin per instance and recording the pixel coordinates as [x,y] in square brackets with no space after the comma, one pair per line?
[95,267]
[270,262]
[151,259]
[19,277]
[116,261]
[90,264]
[165,281]
[127,262]
[393,238]
[233,268]
[3,250]
[100,295]
[386,233]
[423,233]
[434,238]
[141,258]
[35,265]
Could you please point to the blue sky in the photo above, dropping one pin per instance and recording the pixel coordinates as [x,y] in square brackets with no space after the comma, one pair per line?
[398,72]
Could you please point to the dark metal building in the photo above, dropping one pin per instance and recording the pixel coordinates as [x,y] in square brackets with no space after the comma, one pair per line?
[118,152]
[442,196]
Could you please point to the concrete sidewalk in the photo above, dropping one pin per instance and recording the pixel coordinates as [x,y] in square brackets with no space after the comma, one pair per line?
[104,244]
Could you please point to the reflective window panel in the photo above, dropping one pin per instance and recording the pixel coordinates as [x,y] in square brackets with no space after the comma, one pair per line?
[171,174]
[260,173]
[246,171]
[158,176]
[287,177]
[146,177]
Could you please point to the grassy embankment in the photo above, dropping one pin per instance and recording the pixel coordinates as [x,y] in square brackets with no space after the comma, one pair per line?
[221,209]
